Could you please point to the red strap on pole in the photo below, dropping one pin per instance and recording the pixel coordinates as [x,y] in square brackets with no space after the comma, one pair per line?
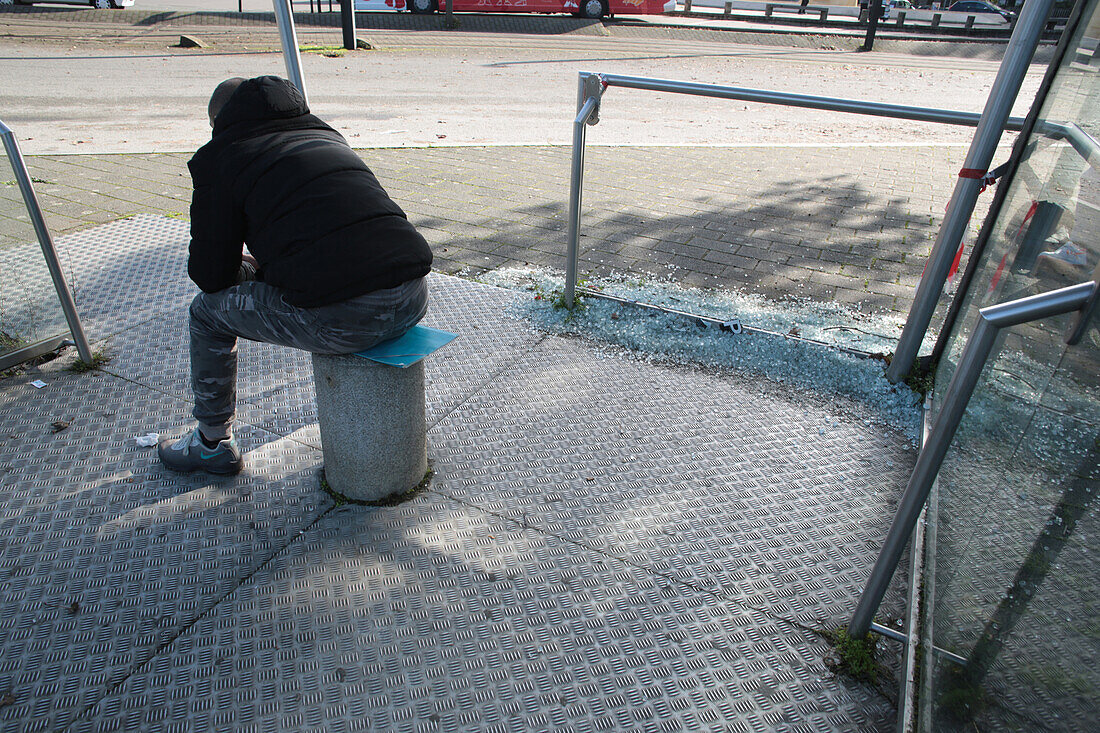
[986,177]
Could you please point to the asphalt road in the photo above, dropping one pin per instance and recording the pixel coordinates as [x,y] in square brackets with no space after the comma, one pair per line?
[71,90]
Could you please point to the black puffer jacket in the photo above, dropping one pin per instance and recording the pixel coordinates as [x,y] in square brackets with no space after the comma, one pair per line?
[314,216]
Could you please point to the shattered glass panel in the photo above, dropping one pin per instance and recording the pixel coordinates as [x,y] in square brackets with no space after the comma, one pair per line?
[789,227]
[801,345]
[1011,574]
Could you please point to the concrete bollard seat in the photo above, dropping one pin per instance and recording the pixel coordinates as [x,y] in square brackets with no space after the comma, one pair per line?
[373,426]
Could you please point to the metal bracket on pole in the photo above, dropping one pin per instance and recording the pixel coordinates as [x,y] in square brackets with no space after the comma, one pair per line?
[593,89]
[288,37]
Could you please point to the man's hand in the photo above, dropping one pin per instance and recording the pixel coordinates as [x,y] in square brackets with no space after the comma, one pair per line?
[247,271]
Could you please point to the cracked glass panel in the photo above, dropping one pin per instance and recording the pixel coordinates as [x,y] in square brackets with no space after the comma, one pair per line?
[1011,584]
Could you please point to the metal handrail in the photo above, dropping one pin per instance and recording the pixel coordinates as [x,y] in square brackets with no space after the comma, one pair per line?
[591,86]
[808,101]
[991,320]
[45,241]
[1085,144]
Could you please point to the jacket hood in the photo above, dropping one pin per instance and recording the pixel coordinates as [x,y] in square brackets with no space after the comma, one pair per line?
[261,99]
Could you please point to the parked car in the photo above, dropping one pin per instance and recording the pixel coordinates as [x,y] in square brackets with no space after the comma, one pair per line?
[93,3]
[977,6]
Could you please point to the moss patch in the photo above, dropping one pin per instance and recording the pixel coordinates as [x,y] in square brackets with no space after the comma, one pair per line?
[332,52]
[853,657]
[399,497]
[99,360]
[922,376]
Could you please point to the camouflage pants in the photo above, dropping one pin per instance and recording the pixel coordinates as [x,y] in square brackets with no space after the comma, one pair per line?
[258,312]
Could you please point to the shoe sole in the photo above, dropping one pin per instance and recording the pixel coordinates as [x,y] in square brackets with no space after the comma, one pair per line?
[227,472]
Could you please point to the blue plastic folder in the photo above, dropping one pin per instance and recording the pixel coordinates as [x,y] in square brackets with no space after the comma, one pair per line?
[404,351]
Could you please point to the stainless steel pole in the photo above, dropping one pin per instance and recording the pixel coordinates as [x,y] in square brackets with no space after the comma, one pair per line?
[45,241]
[1021,49]
[991,320]
[576,180]
[289,39]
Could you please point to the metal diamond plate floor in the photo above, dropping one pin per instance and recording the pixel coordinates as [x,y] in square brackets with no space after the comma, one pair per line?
[607,544]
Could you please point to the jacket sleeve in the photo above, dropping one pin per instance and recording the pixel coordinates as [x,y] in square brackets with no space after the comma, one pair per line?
[217,232]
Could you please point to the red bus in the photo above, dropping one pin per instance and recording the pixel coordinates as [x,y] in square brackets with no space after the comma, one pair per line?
[579,8]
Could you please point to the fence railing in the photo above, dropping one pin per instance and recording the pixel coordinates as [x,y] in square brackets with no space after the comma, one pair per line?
[590,94]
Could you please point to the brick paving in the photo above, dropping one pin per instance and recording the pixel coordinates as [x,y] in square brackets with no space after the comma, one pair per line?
[851,224]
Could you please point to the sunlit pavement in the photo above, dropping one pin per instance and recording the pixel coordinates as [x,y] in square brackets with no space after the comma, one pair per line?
[608,542]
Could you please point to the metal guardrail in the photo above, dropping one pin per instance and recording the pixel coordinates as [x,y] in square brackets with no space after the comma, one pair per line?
[49,252]
[1082,298]
[591,87]
[1085,144]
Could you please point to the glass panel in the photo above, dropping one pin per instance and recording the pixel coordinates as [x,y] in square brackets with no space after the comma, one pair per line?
[29,309]
[1012,569]
[803,239]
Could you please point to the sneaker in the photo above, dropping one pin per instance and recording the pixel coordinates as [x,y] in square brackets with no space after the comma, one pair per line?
[1069,253]
[189,454]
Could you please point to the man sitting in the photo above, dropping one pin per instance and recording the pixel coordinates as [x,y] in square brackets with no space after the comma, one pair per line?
[334,266]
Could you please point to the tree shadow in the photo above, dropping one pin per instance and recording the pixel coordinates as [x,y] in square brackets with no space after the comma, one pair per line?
[831,238]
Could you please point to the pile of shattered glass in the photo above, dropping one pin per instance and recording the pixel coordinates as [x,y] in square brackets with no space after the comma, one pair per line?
[801,344]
